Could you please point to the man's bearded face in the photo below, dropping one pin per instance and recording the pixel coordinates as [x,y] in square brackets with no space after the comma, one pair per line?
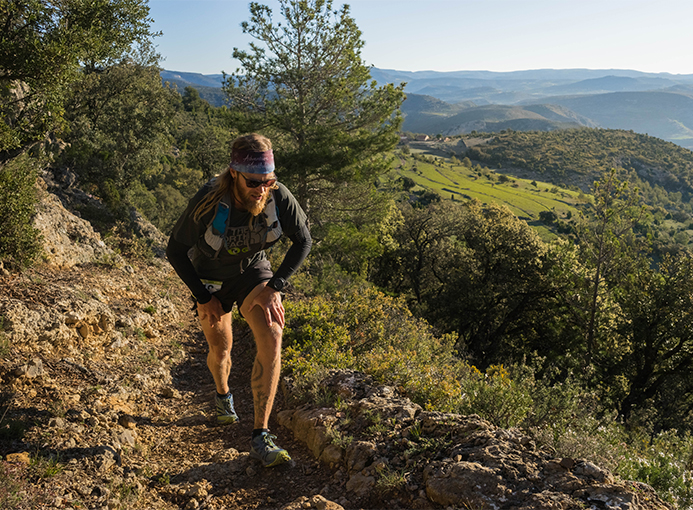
[251,199]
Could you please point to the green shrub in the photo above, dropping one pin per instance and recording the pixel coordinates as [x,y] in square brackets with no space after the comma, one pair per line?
[314,343]
[20,242]
[602,442]
[123,241]
[665,463]
[497,396]
[391,480]
[361,328]
[430,376]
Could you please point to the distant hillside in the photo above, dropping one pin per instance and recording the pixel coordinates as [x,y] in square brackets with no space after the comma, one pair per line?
[416,103]
[666,115]
[484,87]
[662,170]
[209,86]
[658,104]
[425,114]
[494,118]
[522,84]
[612,84]
[525,86]
[559,113]
[193,79]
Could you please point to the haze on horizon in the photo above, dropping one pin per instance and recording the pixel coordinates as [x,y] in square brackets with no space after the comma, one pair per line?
[454,35]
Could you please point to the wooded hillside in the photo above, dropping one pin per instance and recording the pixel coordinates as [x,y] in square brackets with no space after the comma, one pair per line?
[663,171]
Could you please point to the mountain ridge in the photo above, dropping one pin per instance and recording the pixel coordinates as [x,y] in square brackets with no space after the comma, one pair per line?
[515,77]
[658,104]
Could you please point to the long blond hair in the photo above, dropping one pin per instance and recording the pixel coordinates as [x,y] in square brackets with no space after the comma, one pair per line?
[222,184]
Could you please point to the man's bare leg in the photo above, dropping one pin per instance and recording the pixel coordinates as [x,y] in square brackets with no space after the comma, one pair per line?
[267,366]
[216,325]
[220,340]
[264,381]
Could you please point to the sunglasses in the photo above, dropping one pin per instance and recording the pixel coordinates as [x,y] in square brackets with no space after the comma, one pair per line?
[252,183]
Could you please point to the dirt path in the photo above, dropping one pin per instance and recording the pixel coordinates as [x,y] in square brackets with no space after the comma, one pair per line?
[197,437]
[119,414]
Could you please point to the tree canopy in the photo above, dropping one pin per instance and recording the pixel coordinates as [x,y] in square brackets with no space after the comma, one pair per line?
[46,47]
[43,46]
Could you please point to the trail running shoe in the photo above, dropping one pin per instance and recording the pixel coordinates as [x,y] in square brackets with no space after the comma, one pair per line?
[263,449]
[226,414]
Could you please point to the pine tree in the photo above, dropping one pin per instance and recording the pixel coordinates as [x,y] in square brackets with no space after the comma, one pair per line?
[309,90]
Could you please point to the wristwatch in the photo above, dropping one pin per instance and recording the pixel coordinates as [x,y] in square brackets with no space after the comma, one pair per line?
[277,284]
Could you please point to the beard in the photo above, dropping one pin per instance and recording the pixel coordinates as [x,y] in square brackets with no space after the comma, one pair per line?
[245,197]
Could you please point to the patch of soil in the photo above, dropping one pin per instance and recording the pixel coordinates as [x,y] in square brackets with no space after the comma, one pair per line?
[148,404]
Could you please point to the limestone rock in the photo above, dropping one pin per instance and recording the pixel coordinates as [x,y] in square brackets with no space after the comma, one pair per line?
[313,503]
[359,455]
[168,392]
[477,485]
[31,370]
[360,484]
[106,458]
[68,240]
[19,458]
[309,425]
[127,421]
[450,460]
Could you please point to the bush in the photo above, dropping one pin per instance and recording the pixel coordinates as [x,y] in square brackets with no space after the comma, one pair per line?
[362,329]
[496,396]
[665,463]
[358,327]
[123,241]
[20,242]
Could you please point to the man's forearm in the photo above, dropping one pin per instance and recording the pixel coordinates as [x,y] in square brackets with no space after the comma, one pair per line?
[300,247]
[177,254]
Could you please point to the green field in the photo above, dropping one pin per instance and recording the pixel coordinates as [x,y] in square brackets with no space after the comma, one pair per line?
[454,181]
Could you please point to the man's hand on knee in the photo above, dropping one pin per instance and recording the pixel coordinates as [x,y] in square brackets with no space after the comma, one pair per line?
[270,301]
[211,311]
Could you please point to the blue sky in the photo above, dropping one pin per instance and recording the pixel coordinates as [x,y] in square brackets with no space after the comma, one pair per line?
[454,35]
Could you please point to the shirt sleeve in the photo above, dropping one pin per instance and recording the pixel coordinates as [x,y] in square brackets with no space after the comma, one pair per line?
[291,213]
[295,225]
[301,243]
[177,254]
[185,234]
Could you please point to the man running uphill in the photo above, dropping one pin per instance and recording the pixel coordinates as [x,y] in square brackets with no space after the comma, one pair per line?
[228,224]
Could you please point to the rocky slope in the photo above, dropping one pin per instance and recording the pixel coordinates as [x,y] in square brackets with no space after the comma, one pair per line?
[105,403]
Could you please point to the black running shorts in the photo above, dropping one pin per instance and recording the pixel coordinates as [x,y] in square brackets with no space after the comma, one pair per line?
[235,291]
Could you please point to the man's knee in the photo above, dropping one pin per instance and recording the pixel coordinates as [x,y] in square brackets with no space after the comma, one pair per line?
[219,341]
[248,300]
[269,341]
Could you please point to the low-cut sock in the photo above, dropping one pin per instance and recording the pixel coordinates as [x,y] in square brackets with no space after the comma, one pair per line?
[259,432]
[223,395]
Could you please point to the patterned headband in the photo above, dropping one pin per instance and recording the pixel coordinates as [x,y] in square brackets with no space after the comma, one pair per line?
[252,162]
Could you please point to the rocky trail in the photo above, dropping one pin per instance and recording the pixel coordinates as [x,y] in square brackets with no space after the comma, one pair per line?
[129,423]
